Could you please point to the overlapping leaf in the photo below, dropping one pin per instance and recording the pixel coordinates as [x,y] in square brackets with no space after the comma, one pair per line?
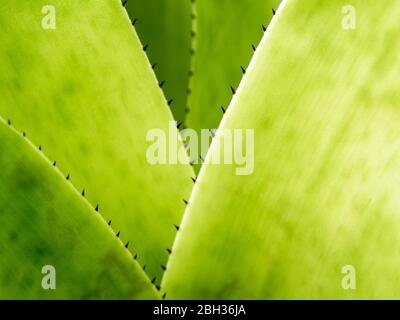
[51,236]
[323,199]
[86,93]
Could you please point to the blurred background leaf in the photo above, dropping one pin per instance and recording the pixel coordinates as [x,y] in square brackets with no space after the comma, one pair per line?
[165,25]
[225,32]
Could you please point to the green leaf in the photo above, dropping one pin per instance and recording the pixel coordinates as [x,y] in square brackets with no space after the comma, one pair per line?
[45,222]
[165,26]
[225,32]
[86,93]
[324,103]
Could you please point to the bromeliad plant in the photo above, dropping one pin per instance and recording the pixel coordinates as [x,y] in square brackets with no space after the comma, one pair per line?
[78,198]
